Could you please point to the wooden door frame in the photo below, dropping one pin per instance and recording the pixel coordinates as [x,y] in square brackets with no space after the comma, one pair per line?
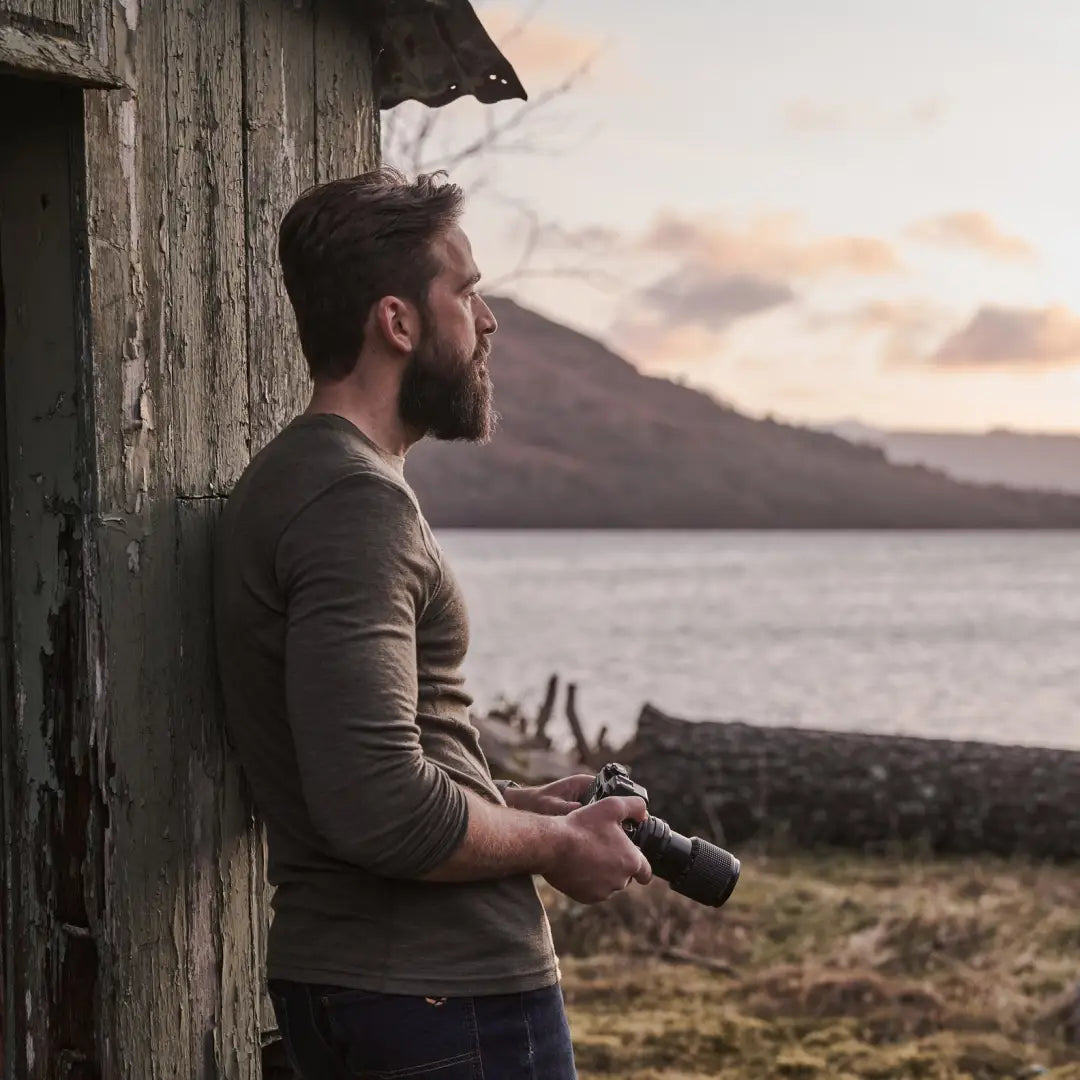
[52,814]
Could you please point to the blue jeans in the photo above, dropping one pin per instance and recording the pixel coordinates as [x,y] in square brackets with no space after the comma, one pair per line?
[331,1033]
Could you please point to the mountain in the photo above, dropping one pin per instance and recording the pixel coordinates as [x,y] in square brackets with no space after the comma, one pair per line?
[588,441]
[1016,458]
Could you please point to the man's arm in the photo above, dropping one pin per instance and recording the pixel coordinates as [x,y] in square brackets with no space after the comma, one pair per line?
[585,854]
[356,574]
[499,841]
[354,569]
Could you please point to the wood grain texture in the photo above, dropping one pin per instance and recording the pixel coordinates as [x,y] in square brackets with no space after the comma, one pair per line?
[66,13]
[127,206]
[280,163]
[167,286]
[346,117]
[194,364]
[18,7]
[224,907]
[130,600]
[207,336]
[49,57]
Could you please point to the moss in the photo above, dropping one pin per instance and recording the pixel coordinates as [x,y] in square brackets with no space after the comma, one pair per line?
[839,967]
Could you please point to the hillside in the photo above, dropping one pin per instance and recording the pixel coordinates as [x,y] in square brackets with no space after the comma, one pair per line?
[1020,459]
[586,441]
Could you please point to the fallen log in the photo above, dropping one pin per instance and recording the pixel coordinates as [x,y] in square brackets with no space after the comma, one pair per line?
[733,782]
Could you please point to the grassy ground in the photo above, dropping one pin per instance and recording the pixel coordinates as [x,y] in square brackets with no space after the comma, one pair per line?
[832,967]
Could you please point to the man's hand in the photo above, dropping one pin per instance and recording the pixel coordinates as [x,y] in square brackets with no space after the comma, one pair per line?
[559,797]
[597,858]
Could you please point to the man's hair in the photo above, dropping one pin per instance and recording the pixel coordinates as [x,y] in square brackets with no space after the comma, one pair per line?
[346,244]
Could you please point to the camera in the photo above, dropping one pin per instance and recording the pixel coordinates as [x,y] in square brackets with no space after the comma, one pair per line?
[692,866]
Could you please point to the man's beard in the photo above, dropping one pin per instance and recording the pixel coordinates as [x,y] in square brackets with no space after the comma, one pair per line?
[445,395]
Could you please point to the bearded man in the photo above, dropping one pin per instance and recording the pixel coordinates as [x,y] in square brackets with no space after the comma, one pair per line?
[408,938]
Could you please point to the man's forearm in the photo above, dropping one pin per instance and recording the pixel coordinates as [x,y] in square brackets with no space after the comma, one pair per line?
[500,842]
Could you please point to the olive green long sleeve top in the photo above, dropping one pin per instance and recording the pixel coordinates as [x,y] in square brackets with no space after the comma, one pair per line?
[341,633]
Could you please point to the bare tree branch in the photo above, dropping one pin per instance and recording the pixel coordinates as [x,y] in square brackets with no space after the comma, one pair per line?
[424,140]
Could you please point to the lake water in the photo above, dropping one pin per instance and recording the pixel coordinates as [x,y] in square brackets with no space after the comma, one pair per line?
[947,634]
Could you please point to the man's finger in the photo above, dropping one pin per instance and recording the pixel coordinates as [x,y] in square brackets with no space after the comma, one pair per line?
[630,806]
[643,874]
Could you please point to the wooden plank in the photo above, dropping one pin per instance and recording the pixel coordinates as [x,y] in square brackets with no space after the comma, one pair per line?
[207,328]
[68,13]
[280,162]
[346,117]
[37,55]
[23,8]
[126,141]
[147,1007]
[225,901]
[41,10]
[144,1018]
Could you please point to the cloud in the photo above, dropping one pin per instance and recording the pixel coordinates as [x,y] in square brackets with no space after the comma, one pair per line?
[771,246]
[536,47]
[971,229]
[808,117]
[664,348]
[904,329]
[684,316]
[1005,337]
[701,296]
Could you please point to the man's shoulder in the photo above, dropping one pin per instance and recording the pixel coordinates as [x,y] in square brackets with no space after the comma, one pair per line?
[312,454]
[311,458]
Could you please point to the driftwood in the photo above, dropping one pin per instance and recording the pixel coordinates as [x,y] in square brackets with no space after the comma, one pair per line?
[544,716]
[584,751]
[516,753]
[734,782]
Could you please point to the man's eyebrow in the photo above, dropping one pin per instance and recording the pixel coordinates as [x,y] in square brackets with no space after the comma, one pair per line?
[473,279]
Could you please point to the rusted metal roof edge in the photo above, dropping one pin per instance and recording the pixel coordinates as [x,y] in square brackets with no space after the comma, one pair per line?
[435,51]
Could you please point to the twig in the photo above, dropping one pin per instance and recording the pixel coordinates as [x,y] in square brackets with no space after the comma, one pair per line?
[543,718]
[584,753]
[681,956]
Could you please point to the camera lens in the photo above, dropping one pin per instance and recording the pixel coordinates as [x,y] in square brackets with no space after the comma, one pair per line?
[694,867]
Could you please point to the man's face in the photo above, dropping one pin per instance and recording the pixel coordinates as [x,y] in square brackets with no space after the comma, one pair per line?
[446,387]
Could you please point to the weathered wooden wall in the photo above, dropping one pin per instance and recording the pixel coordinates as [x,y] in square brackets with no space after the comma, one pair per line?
[854,790]
[63,13]
[234,107]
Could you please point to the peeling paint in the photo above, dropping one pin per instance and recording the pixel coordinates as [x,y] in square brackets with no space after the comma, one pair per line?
[131,14]
[133,551]
[138,441]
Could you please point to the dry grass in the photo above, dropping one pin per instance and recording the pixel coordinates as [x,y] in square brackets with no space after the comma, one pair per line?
[832,967]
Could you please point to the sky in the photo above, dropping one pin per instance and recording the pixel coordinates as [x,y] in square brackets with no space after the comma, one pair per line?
[813,209]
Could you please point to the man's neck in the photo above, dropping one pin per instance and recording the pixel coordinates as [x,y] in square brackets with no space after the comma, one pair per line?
[375,414]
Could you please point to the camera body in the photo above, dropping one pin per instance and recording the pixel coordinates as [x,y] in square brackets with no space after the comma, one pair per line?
[699,870]
[613,779]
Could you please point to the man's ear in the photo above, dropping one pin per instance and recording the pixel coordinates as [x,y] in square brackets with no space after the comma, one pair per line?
[397,323]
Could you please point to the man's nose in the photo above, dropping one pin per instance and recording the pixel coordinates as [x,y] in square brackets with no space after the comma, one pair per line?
[486,323]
